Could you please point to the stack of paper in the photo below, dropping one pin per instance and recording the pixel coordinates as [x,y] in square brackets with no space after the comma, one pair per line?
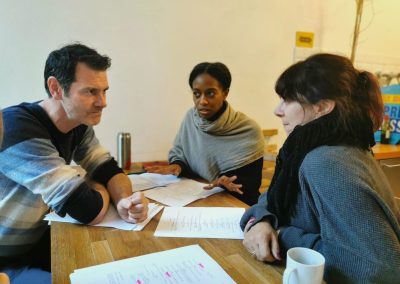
[183,265]
[181,193]
[150,180]
[112,219]
[200,222]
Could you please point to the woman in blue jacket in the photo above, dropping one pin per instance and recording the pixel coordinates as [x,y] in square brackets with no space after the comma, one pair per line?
[328,193]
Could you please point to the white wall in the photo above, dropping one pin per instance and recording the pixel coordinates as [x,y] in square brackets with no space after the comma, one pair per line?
[154,44]
[378,43]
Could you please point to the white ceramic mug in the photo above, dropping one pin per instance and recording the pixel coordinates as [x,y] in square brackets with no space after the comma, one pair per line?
[303,266]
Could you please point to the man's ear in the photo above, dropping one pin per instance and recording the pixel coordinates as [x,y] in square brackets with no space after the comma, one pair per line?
[55,88]
[324,107]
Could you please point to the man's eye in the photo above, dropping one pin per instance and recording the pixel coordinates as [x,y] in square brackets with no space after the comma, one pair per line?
[210,93]
[196,94]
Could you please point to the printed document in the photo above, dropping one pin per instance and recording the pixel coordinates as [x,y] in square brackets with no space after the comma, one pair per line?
[181,193]
[112,219]
[151,180]
[190,264]
[200,222]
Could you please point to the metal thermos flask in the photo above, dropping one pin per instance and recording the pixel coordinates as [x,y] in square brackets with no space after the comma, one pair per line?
[124,150]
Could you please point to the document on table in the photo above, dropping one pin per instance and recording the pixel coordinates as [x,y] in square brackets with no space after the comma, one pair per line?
[151,180]
[190,264]
[181,193]
[112,219]
[200,222]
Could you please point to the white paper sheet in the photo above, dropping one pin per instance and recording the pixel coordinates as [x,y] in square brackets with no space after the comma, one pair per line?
[181,193]
[151,180]
[111,219]
[190,264]
[200,222]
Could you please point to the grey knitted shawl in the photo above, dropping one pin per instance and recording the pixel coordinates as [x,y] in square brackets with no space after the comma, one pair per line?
[210,148]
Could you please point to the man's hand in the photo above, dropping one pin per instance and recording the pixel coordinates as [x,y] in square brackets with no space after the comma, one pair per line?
[133,209]
[262,241]
[173,169]
[226,182]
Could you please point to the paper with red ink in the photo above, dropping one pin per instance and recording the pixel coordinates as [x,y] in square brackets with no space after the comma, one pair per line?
[190,264]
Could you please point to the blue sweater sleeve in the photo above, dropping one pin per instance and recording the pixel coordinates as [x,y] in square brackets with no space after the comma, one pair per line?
[297,237]
[260,212]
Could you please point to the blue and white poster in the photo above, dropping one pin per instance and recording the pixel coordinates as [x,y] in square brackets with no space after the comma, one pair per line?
[391,99]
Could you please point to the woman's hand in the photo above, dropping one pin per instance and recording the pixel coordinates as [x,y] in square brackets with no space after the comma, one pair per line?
[133,209]
[226,182]
[173,169]
[261,241]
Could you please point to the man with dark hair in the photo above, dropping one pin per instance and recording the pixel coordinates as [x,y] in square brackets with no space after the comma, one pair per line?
[61,64]
[41,139]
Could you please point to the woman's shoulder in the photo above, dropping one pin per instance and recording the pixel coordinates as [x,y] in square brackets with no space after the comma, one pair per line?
[336,155]
[189,113]
[188,118]
[333,169]
[339,163]
[244,119]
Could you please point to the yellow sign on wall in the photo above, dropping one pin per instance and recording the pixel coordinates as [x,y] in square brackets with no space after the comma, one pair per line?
[391,99]
[304,39]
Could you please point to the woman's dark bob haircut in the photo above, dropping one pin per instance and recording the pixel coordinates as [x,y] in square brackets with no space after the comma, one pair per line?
[356,94]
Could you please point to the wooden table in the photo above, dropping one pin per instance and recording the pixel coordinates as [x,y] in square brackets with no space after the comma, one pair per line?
[78,246]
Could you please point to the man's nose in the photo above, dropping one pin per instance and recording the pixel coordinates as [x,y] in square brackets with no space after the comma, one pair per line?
[101,101]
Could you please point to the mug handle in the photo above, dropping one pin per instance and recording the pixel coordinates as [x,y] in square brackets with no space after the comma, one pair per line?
[287,273]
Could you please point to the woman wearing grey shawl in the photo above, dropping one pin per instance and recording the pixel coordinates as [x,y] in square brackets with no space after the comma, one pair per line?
[215,142]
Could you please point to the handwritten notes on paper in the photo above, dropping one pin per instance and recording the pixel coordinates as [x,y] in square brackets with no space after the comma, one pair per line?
[112,219]
[200,222]
[190,264]
[181,193]
[150,180]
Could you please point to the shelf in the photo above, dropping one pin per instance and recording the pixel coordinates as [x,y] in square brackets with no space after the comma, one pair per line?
[386,151]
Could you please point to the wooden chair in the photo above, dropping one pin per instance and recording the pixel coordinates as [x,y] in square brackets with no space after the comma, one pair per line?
[270,152]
